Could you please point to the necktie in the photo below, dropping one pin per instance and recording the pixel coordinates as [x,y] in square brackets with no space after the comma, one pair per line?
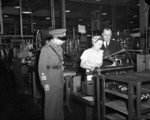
[106,44]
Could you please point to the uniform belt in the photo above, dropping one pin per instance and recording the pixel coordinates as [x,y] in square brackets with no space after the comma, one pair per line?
[54,67]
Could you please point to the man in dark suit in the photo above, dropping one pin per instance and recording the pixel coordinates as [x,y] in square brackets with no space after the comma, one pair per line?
[110,46]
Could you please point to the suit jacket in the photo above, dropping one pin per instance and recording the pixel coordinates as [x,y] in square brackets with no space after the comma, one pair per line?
[114,46]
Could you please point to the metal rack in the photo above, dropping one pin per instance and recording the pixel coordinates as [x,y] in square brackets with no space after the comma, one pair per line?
[125,105]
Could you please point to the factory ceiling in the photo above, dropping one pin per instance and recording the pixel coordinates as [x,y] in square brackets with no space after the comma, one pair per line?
[120,14]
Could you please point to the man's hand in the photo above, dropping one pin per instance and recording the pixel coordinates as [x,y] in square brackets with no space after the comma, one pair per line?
[47,87]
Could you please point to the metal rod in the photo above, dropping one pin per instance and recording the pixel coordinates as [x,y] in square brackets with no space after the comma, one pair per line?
[52,13]
[21,24]
[32,27]
[1,18]
[146,32]
[112,15]
[63,14]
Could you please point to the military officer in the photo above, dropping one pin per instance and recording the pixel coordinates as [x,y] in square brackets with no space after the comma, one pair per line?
[50,70]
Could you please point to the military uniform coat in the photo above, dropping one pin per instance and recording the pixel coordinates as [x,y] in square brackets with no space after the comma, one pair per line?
[54,77]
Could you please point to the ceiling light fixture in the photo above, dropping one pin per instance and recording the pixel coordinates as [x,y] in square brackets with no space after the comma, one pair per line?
[135,16]
[104,13]
[16,4]
[26,10]
[17,7]
[79,19]
[47,18]
[67,11]
[5,16]
[131,22]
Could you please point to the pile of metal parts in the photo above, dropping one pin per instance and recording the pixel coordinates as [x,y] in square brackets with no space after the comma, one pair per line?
[123,88]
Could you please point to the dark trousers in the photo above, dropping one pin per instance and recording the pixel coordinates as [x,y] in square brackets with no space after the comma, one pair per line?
[53,109]
[17,72]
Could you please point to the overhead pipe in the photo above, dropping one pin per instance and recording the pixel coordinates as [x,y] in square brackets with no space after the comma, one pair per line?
[144,13]
[113,16]
[52,13]
[31,22]
[1,19]
[63,14]
[21,24]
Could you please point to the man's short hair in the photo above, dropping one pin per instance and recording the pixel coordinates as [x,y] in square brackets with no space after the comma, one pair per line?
[107,28]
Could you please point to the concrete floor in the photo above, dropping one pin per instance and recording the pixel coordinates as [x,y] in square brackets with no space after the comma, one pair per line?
[14,106]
